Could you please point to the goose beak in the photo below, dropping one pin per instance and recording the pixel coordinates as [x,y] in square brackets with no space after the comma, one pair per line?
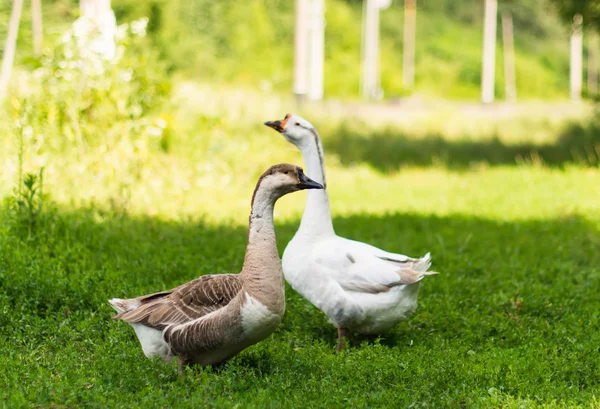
[278,125]
[275,125]
[307,183]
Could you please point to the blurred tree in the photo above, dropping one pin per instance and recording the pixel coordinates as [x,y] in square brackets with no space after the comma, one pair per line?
[11,46]
[533,16]
[589,9]
[36,26]
[250,43]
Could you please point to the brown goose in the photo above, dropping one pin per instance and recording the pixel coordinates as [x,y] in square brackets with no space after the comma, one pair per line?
[214,317]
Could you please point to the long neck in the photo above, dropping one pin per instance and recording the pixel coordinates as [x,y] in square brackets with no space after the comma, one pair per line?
[316,219]
[262,274]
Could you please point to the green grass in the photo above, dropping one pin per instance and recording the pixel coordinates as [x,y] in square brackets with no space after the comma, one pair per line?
[508,206]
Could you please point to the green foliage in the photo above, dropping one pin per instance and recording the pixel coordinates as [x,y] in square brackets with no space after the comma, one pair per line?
[25,207]
[588,9]
[251,44]
[86,94]
[448,62]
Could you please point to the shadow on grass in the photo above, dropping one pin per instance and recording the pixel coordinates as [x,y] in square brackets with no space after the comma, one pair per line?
[485,266]
[79,259]
[389,149]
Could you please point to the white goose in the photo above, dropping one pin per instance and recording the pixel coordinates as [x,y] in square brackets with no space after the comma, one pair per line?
[212,318]
[358,286]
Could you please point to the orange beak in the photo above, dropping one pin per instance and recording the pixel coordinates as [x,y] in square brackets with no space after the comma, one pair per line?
[278,125]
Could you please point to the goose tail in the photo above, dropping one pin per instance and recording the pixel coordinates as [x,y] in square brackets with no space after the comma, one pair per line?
[417,270]
[410,276]
[422,264]
[122,306]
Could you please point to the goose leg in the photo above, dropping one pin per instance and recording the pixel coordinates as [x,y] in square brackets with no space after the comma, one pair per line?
[180,364]
[341,334]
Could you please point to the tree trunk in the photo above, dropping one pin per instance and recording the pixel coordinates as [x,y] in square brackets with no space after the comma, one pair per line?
[36,25]
[301,50]
[576,58]
[408,64]
[489,51]
[508,46]
[317,49]
[10,47]
[592,68]
[370,47]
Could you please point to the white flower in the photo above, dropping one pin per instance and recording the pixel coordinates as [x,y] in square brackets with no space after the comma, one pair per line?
[28,131]
[66,37]
[161,123]
[42,160]
[138,27]
[136,111]
[119,53]
[39,73]
[155,131]
[69,54]
[126,75]
[121,32]
[82,27]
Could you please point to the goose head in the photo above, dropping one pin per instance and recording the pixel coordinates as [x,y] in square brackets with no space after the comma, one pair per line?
[295,129]
[284,178]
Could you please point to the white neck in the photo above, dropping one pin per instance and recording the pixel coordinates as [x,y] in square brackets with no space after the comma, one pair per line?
[316,219]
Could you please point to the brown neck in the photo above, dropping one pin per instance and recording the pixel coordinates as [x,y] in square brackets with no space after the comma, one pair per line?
[262,274]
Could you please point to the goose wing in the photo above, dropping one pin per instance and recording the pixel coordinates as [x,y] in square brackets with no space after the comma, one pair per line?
[360,267]
[183,304]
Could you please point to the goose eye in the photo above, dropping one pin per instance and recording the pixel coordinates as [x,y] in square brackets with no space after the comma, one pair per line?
[297,124]
[286,172]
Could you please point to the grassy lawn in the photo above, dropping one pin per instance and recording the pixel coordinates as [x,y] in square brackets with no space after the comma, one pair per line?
[508,206]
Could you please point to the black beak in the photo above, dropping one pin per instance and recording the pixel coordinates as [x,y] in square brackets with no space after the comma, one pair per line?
[307,183]
[277,125]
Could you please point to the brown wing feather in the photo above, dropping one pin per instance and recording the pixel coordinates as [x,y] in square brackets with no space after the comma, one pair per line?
[366,287]
[184,303]
[199,336]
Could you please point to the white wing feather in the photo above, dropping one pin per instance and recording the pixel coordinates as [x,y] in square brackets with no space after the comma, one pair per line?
[356,285]
[363,268]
